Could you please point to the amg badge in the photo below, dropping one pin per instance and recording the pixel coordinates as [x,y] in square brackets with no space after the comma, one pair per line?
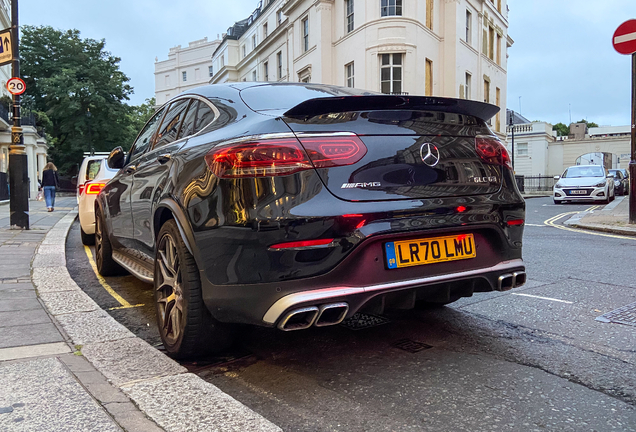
[360,185]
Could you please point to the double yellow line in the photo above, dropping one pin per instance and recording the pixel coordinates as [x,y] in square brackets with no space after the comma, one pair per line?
[552,222]
[122,301]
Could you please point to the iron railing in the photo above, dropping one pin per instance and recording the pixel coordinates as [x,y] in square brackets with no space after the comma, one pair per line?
[537,183]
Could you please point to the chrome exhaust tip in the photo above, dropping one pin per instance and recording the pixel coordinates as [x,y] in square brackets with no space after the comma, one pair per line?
[519,279]
[505,282]
[331,314]
[299,319]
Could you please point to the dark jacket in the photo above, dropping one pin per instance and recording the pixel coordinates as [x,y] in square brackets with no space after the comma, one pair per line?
[49,178]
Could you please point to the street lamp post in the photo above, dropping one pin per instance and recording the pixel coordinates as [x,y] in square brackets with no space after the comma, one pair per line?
[18,162]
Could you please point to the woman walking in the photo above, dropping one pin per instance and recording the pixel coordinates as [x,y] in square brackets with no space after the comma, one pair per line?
[49,184]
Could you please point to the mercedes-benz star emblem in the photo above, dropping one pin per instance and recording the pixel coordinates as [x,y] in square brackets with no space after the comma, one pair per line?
[429,154]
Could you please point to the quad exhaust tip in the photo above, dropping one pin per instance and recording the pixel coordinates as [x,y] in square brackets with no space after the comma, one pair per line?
[511,280]
[303,318]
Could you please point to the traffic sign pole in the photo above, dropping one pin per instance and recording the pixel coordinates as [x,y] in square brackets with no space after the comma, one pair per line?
[18,162]
[632,162]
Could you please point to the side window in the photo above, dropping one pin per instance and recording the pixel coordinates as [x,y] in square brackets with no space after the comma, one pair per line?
[145,137]
[187,128]
[204,116]
[171,123]
[92,168]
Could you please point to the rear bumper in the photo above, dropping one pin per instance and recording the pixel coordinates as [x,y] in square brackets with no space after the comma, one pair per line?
[86,213]
[356,297]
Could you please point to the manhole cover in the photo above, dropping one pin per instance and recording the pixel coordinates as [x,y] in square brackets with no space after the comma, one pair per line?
[411,345]
[623,315]
[361,321]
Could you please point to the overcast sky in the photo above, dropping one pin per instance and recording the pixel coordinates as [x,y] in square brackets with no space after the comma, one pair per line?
[562,56]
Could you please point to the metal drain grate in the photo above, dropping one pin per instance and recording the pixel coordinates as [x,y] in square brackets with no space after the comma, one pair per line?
[623,315]
[411,345]
[361,321]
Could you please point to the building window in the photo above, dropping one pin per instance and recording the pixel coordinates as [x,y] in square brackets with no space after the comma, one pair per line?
[279,64]
[468,85]
[264,31]
[486,91]
[211,71]
[222,60]
[184,75]
[429,14]
[253,42]
[279,16]
[266,71]
[498,49]
[244,51]
[391,73]
[167,80]
[491,43]
[391,7]
[254,75]
[305,29]
[469,27]
[522,149]
[349,14]
[428,83]
[349,71]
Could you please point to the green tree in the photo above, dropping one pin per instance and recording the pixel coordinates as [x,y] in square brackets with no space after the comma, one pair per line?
[561,129]
[76,90]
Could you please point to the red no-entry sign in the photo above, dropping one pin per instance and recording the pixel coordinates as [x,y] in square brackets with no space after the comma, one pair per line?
[624,39]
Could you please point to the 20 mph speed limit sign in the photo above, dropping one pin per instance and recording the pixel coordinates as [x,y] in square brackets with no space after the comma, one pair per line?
[16,86]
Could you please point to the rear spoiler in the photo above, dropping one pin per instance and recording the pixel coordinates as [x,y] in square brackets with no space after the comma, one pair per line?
[319,106]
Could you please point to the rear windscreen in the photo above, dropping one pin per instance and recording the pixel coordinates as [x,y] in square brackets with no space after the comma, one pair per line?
[284,97]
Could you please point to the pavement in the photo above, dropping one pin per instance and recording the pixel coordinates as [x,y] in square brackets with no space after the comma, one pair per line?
[67,365]
[612,218]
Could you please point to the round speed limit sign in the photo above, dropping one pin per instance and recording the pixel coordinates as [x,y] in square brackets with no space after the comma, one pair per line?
[16,86]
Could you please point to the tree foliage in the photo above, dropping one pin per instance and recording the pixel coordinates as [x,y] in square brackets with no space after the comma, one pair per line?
[588,123]
[561,129]
[77,92]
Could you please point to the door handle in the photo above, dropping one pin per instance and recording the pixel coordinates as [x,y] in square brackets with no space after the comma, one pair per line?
[164,158]
[131,169]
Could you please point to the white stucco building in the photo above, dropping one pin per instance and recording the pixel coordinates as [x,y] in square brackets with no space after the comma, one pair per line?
[539,152]
[420,47]
[35,145]
[185,68]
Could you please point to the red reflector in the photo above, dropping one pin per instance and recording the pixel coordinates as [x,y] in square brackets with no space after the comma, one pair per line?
[461,209]
[492,151]
[515,222]
[303,243]
[94,188]
[351,215]
[81,188]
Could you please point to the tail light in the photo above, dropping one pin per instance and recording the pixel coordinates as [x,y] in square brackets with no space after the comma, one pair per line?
[80,188]
[492,151]
[276,157]
[303,244]
[94,188]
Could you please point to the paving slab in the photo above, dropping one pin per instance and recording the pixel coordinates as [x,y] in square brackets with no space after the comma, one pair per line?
[34,334]
[131,359]
[21,318]
[92,327]
[9,305]
[34,351]
[201,406]
[54,400]
[64,302]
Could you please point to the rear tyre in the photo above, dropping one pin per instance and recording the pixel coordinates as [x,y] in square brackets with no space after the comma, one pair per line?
[87,239]
[186,327]
[106,266]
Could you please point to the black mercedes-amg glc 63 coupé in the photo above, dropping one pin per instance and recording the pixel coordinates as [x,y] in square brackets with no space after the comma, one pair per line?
[298,205]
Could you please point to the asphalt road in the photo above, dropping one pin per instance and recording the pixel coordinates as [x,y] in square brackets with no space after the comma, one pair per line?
[533,358]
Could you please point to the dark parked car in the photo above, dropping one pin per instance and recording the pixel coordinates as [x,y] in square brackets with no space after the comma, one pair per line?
[621,183]
[298,205]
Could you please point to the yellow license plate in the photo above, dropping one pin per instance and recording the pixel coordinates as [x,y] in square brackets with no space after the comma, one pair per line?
[415,252]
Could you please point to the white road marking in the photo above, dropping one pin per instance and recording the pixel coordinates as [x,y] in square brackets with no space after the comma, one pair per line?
[543,298]
[535,225]
[625,38]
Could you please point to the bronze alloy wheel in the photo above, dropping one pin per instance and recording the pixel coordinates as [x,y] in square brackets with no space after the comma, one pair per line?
[169,295]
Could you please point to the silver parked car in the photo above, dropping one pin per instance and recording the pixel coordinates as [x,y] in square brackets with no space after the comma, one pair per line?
[584,183]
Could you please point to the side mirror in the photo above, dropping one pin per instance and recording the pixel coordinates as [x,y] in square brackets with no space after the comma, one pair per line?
[610,175]
[557,177]
[116,158]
